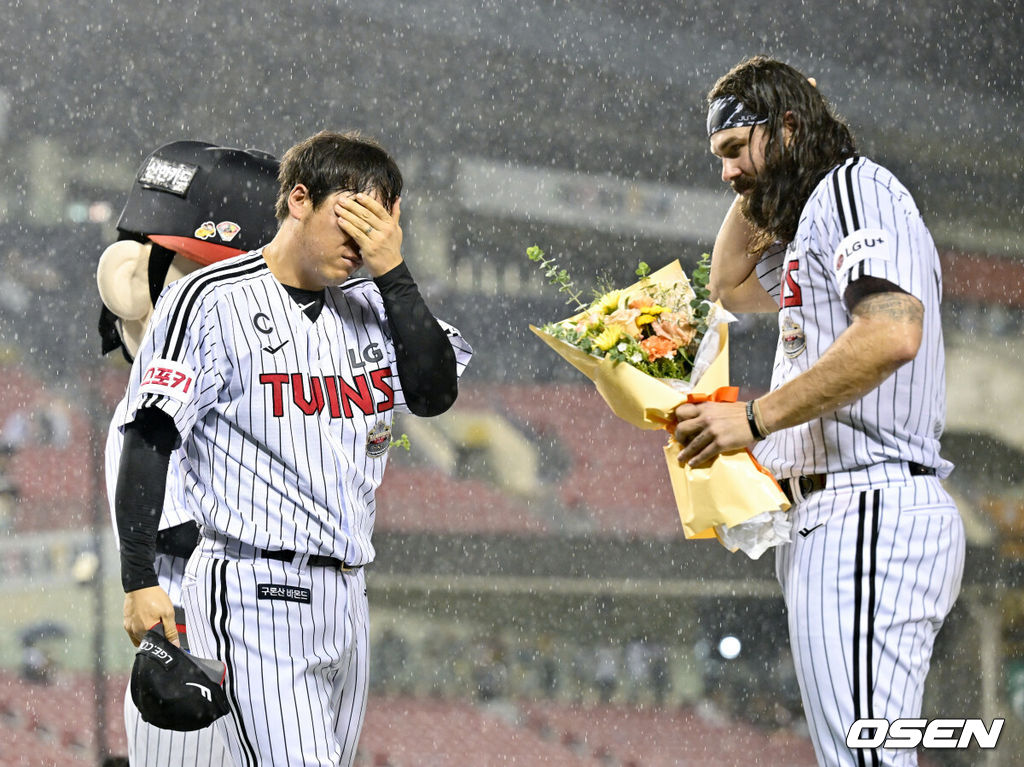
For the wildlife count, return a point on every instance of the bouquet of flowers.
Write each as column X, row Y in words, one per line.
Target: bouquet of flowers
column 650, row 347
column 657, row 327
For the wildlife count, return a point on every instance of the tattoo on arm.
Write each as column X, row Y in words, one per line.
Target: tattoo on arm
column 900, row 307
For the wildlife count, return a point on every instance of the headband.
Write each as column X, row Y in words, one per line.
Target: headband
column 730, row 112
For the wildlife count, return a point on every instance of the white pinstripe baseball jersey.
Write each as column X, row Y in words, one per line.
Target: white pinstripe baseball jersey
column 859, row 221
column 287, row 421
column 876, row 557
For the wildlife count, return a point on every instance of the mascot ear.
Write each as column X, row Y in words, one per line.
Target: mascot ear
column 122, row 276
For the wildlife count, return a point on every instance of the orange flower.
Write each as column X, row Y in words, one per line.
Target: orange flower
column 674, row 327
column 640, row 302
column 657, row 347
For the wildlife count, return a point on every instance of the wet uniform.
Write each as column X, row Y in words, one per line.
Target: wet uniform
column 877, row 553
column 285, row 403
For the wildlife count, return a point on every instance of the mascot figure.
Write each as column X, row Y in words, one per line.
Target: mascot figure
column 192, row 204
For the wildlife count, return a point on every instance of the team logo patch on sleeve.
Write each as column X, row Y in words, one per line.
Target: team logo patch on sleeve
column 169, row 379
column 860, row 246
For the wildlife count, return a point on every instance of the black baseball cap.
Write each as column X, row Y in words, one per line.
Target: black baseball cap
column 204, row 201
column 173, row 689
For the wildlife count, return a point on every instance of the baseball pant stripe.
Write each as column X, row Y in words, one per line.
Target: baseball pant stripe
column 352, row 711
column 220, row 590
column 866, row 593
column 873, row 575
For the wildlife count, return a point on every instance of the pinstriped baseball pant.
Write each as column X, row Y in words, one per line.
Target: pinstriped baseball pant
column 297, row 678
column 149, row 746
column 868, row 579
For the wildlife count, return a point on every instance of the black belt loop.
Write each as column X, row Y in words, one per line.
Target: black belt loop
column 313, row 560
column 812, row 483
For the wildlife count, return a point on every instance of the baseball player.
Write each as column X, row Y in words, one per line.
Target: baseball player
column 169, row 228
column 279, row 377
column 834, row 244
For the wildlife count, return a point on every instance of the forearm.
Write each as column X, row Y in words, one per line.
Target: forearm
column 859, row 360
column 426, row 361
column 733, row 279
column 139, row 496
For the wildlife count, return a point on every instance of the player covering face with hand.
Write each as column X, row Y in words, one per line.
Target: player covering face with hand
column 834, row 244
column 279, row 378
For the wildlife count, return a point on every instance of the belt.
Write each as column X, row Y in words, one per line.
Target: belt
column 806, row 484
column 313, row 560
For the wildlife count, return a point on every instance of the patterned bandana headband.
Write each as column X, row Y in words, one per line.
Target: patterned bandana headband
column 730, row 112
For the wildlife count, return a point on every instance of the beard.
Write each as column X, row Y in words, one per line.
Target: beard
column 770, row 203
column 752, row 205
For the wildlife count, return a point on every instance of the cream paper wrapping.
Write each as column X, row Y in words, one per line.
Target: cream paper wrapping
column 733, row 488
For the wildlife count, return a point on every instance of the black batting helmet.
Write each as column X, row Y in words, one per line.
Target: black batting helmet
column 204, row 201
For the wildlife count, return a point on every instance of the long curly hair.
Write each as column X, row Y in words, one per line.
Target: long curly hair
column 819, row 142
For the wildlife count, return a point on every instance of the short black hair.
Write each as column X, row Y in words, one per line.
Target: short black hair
column 330, row 162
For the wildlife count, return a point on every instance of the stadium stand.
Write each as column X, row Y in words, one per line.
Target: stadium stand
column 55, row 724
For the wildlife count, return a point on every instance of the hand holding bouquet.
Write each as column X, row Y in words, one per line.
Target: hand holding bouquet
column 648, row 348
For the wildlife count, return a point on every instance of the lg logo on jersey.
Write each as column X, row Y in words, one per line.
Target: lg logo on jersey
column 371, row 353
column 311, row 394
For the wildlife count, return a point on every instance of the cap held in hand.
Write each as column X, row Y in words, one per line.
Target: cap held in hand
column 174, row 690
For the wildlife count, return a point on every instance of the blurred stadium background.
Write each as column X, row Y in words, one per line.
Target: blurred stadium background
column 533, row 600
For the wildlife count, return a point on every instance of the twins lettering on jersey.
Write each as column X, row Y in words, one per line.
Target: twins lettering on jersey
column 311, row 394
column 791, row 295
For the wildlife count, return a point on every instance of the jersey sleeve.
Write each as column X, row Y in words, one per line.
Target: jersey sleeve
column 769, row 269
column 176, row 369
column 463, row 351
column 881, row 233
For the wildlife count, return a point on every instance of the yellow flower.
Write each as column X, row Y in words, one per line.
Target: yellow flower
column 608, row 337
column 644, row 319
column 655, row 310
column 609, row 302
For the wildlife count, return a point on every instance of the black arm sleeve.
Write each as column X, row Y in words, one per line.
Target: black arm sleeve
column 139, row 497
column 426, row 361
column 860, row 289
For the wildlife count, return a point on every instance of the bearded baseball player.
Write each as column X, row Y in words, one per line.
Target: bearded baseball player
column 834, row 244
column 192, row 203
column 279, row 376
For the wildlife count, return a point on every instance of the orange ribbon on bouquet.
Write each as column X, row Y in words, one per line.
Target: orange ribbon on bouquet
column 721, row 394
column 734, row 487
